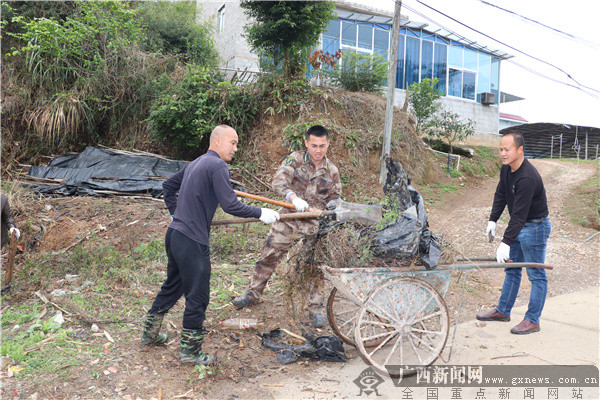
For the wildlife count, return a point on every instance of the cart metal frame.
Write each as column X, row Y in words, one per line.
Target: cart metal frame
column 396, row 316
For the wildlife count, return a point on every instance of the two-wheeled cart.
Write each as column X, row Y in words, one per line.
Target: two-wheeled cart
column 395, row 316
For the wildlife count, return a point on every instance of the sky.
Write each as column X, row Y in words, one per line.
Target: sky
column 546, row 100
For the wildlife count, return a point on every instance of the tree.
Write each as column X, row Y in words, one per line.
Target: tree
column 286, row 29
column 453, row 129
column 424, row 101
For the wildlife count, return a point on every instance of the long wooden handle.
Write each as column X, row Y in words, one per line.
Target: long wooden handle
column 266, row 200
column 12, row 251
column 298, row 215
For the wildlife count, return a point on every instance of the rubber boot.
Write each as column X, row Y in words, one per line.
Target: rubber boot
column 191, row 347
column 152, row 325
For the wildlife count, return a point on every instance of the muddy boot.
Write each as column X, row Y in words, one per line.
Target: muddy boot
column 247, row 299
column 152, row 324
column 191, row 347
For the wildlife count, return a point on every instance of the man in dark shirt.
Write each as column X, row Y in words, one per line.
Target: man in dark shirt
column 522, row 190
column 202, row 185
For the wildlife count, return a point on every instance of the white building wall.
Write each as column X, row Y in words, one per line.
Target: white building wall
column 233, row 49
column 485, row 117
column 506, row 123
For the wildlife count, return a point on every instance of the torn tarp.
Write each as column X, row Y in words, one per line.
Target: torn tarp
column 325, row 348
column 103, row 169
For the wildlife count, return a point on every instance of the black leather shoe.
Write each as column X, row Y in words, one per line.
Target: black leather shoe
column 493, row 315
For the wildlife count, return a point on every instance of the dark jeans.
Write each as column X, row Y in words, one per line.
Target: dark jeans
column 530, row 246
column 188, row 273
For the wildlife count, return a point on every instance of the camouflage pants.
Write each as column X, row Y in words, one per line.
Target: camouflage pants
column 282, row 236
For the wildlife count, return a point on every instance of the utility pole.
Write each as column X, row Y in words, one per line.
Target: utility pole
column 391, row 86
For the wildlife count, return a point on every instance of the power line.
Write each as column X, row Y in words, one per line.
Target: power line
column 570, row 36
column 498, row 41
column 531, row 70
column 595, row 96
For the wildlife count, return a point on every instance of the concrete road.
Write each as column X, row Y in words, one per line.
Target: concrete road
column 569, row 336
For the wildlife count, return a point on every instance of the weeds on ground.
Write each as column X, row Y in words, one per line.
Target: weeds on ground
column 584, row 207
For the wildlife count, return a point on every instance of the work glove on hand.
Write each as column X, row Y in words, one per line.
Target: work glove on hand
column 268, row 216
column 300, row 204
column 332, row 204
column 491, row 231
column 503, row 253
column 15, row 231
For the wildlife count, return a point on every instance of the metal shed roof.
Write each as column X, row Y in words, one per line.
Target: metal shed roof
column 545, row 140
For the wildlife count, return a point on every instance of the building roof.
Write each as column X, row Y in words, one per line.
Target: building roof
column 361, row 12
column 512, row 117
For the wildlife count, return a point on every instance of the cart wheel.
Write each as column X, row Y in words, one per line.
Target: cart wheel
column 342, row 314
column 410, row 318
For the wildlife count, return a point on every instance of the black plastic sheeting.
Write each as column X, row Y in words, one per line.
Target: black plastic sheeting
column 408, row 235
column 103, row 169
column 324, row 348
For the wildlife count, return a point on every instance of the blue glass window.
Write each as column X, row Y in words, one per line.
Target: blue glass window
column 454, row 82
column 495, row 78
column 426, row 59
column 400, row 64
column 331, row 37
column 483, row 73
column 365, row 37
column 348, row 33
column 412, row 60
column 333, row 29
column 381, row 39
column 439, row 66
column 468, row 85
column 455, row 56
column 470, row 59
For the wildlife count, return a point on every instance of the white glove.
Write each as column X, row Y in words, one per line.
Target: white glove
column 503, row 253
column 268, row 216
column 15, row 231
column 491, row 231
column 300, row 204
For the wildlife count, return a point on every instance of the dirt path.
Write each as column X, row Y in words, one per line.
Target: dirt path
column 462, row 218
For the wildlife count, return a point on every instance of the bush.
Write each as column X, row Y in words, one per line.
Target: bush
column 171, row 28
column 186, row 114
column 360, row 72
column 75, row 80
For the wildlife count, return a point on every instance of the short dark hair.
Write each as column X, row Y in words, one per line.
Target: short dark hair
column 517, row 137
column 318, row 131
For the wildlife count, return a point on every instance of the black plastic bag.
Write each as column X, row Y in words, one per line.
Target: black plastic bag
column 325, row 348
column 400, row 239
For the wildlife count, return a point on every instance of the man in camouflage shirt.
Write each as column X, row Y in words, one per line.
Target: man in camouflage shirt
column 308, row 179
